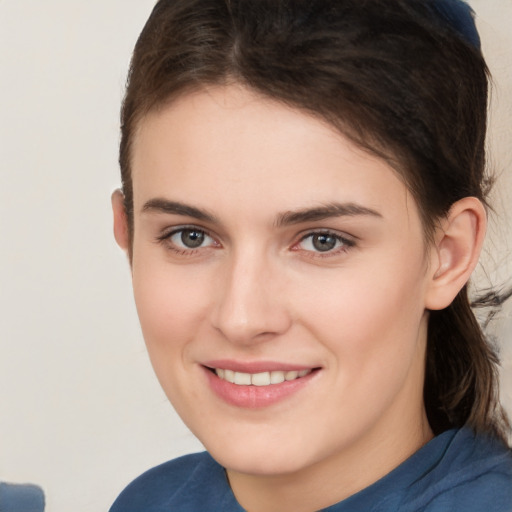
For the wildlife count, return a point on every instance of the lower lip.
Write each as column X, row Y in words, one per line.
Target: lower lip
column 255, row 397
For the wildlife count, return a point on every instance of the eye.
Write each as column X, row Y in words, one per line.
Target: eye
column 187, row 239
column 324, row 242
column 190, row 238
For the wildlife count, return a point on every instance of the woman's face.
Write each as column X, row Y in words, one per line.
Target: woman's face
column 280, row 277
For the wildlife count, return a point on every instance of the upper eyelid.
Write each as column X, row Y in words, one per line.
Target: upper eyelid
column 333, row 232
column 172, row 230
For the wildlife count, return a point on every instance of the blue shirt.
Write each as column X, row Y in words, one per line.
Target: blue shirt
column 456, row 471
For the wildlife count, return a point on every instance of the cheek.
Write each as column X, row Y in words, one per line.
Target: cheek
column 170, row 304
column 369, row 319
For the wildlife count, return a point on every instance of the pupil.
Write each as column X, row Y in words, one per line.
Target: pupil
column 324, row 243
column 192, row 238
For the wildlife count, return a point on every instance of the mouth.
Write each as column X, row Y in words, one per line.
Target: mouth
column 259, row 379
column 257, row 388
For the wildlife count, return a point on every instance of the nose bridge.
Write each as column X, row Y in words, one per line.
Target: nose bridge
column 248, row 308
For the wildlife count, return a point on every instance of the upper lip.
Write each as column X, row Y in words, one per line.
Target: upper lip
column 256, row 366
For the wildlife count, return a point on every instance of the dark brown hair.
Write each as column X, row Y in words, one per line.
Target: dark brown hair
column 392, row 76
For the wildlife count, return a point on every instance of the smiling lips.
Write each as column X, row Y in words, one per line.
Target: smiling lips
column 256, row 389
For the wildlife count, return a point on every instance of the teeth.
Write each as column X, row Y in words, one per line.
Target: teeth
column 229, row 375
column 243, row 379
column 259, row 379
column 276, row 377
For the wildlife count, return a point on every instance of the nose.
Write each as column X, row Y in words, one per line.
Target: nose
column 250, row 304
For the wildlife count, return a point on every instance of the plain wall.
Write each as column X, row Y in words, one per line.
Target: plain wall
column 81, row 413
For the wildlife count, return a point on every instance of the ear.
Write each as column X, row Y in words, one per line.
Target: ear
column 121, row 233
column 454, row 255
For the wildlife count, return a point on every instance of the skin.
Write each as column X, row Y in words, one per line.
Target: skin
column 259, row 290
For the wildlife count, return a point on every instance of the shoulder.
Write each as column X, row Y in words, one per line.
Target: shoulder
column 473, row 475
column 185, row 481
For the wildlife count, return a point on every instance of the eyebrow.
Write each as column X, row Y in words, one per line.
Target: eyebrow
column 325, row 212
column 159, row 205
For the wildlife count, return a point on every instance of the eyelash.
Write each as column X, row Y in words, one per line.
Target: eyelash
column 345, row 243
column 166, row 239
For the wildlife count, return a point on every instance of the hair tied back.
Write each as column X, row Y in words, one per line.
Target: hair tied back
column 459, row 15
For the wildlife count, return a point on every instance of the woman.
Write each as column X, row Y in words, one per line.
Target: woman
column 302, row 207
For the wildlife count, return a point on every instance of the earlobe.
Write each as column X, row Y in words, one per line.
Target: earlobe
column 121, row 233
column 455, row 253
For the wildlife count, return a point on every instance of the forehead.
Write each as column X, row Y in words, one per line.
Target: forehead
column 230, row 147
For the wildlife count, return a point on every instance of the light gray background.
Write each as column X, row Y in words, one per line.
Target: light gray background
column 81, row 413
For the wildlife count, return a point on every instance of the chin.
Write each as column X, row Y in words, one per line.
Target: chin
column 263, row 458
